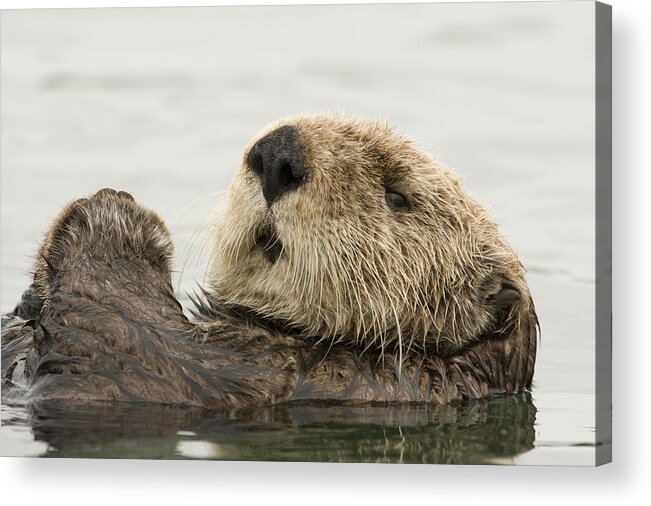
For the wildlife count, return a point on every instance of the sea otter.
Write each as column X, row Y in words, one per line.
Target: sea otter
column 347, row 265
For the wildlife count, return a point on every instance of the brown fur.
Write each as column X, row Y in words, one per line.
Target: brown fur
column 363, row 304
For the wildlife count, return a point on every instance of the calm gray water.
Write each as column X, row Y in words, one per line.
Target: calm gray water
column 160, row 102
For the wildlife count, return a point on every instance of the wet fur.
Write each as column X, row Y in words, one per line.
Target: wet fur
column 363, row 304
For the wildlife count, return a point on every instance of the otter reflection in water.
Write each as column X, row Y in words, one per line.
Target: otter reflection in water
column 347, row 265
column 476, row 432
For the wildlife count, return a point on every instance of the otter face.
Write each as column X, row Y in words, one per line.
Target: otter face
column 344, row 230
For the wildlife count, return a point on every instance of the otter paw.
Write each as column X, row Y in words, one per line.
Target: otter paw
column 30, row 304
column 106, row 226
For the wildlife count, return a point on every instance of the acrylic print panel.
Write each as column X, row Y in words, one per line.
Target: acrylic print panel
column 162, row 103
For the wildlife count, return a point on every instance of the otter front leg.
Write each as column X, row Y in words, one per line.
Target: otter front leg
column 111, row 328
column 103, row 267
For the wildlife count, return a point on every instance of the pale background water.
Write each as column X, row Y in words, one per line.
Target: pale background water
column 161, row 102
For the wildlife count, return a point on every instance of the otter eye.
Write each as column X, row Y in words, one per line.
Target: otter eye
column 396, row 201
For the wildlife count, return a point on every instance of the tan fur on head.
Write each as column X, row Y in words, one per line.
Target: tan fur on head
column 351, row 268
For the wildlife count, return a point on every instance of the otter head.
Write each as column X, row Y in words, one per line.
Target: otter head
column 343, row 229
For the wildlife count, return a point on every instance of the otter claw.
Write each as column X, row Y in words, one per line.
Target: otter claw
column 106, row 191
column 110, row 192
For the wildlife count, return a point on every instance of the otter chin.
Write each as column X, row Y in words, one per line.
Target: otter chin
column 346, row 264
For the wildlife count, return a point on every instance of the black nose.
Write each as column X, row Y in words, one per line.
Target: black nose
column 278, row 159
